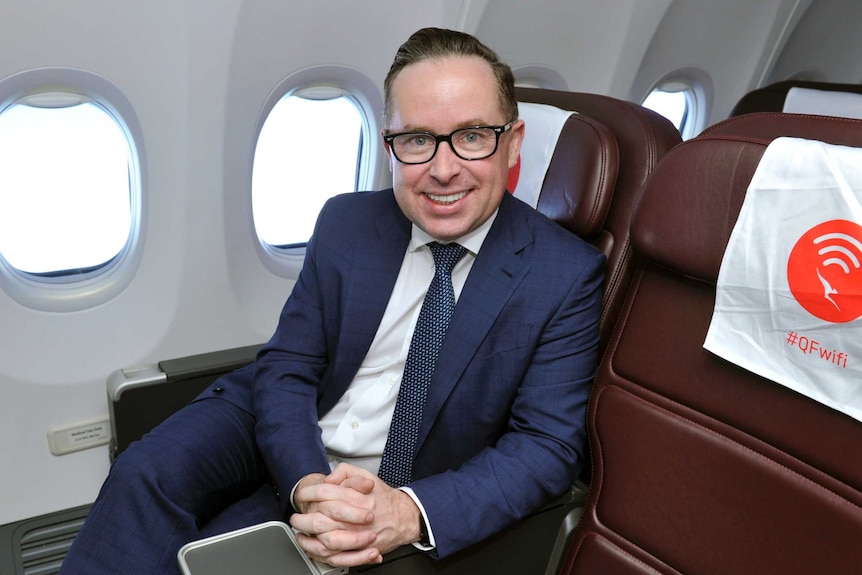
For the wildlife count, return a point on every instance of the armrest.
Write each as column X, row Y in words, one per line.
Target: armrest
column 533, row 545
column 141, row 398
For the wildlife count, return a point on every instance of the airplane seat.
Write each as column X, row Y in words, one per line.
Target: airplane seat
column 803, row 97
column 699, row 465
column 567, row 169
column 642, row 137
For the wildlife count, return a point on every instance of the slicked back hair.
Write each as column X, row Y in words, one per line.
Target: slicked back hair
column 439, row 44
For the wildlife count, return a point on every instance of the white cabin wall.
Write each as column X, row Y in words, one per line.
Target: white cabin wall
column 196, row 74
column 642, row 25
column 815, row 51
column 54, row 365
column 726, row 44
column 589, row 43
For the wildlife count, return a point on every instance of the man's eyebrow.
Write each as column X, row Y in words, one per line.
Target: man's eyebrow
column 422, row 128
column 414, row 128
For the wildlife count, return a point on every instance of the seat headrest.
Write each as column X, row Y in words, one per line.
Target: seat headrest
column 771, row 98
column 690, row 203
column 823, row 102
column 567, row 169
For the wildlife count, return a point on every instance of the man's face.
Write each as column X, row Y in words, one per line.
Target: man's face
column 449, row 197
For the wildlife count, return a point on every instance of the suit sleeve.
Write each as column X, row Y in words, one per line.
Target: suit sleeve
column 289, row 371
column 541, row 452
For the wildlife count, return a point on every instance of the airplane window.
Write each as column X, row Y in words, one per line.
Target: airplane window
column 673, row 105
column 308, row 150
column 65, row 197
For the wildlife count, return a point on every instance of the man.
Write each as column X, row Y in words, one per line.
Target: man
column 500, row 430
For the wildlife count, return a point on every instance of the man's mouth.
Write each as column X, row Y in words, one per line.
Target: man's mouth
column 447, row 199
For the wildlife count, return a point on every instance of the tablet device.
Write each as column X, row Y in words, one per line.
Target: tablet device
column 265, row 549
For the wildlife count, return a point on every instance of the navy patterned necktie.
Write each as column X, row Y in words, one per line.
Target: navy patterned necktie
column 397, row 463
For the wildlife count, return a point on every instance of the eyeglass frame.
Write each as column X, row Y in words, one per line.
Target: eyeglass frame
column 498, row 131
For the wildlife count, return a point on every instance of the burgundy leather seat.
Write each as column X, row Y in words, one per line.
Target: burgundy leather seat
column 701, row 467
column 642, row 138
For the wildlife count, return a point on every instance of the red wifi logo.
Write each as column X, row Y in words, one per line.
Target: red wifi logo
column 824, row 271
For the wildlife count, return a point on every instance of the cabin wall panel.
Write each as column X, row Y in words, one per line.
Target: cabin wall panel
column 730, row 41
column 197, row 74
column 54, row 364
column 817, row 50
column 558, row 35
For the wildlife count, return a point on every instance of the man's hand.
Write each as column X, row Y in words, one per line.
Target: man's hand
column 351, row 517
column 334, row 521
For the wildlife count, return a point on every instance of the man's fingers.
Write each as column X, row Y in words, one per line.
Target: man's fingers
column 330, row 515
column 343, row 512
column 368, row 556
column 347, row 540
column 346, row 471
column 323, row 492
column 348, row 544
column 314, row 523
column 363, row 485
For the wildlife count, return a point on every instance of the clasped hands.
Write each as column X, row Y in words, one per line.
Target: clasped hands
column 351, row 517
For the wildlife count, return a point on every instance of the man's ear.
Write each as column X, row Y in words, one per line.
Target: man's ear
column 515, row 141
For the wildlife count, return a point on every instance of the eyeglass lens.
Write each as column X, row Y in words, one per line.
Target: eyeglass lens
column 468, row 143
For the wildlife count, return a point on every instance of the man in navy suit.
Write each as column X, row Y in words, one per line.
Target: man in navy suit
column 502, row 429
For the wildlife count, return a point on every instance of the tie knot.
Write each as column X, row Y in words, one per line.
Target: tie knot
column 446, row 256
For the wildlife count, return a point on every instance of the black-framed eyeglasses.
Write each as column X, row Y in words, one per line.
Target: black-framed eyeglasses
column 473, row 143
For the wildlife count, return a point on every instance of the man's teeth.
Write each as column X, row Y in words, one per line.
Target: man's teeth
column 447, row 199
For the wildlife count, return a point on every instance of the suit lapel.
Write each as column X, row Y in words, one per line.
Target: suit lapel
column 375, row 264
column 496, row 273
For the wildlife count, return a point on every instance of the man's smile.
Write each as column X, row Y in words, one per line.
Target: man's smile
column 446, row 199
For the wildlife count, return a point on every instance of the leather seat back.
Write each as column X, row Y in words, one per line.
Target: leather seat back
column 700, row 466
column 642, row 138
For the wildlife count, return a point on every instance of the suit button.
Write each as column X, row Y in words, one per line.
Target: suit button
column 218, row 390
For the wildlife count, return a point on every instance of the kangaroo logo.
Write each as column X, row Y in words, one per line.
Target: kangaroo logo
column 824, row 271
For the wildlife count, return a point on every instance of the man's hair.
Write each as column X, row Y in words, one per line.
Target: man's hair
column 438, row 44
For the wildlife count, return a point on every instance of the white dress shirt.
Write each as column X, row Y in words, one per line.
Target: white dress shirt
column 356, row 428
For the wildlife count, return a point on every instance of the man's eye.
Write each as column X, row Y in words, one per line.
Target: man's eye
column 475, row 139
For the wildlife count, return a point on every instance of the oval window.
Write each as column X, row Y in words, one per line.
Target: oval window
column 308, row 150
column 65, row 195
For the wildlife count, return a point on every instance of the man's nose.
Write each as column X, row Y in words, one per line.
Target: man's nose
column 445, row 164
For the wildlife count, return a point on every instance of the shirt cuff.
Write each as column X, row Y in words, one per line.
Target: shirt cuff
column 292, row 502
column 418, row 545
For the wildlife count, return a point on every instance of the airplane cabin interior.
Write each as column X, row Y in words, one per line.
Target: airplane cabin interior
column 724, row 419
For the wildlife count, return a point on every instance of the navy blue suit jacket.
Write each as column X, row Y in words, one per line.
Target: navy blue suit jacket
column 502, row 432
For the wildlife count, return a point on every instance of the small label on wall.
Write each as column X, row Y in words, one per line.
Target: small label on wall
column 77, row 437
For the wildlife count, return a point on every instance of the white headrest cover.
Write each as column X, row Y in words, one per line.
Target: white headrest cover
column 789, row 294
column 823, row 103
column 543, row 124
